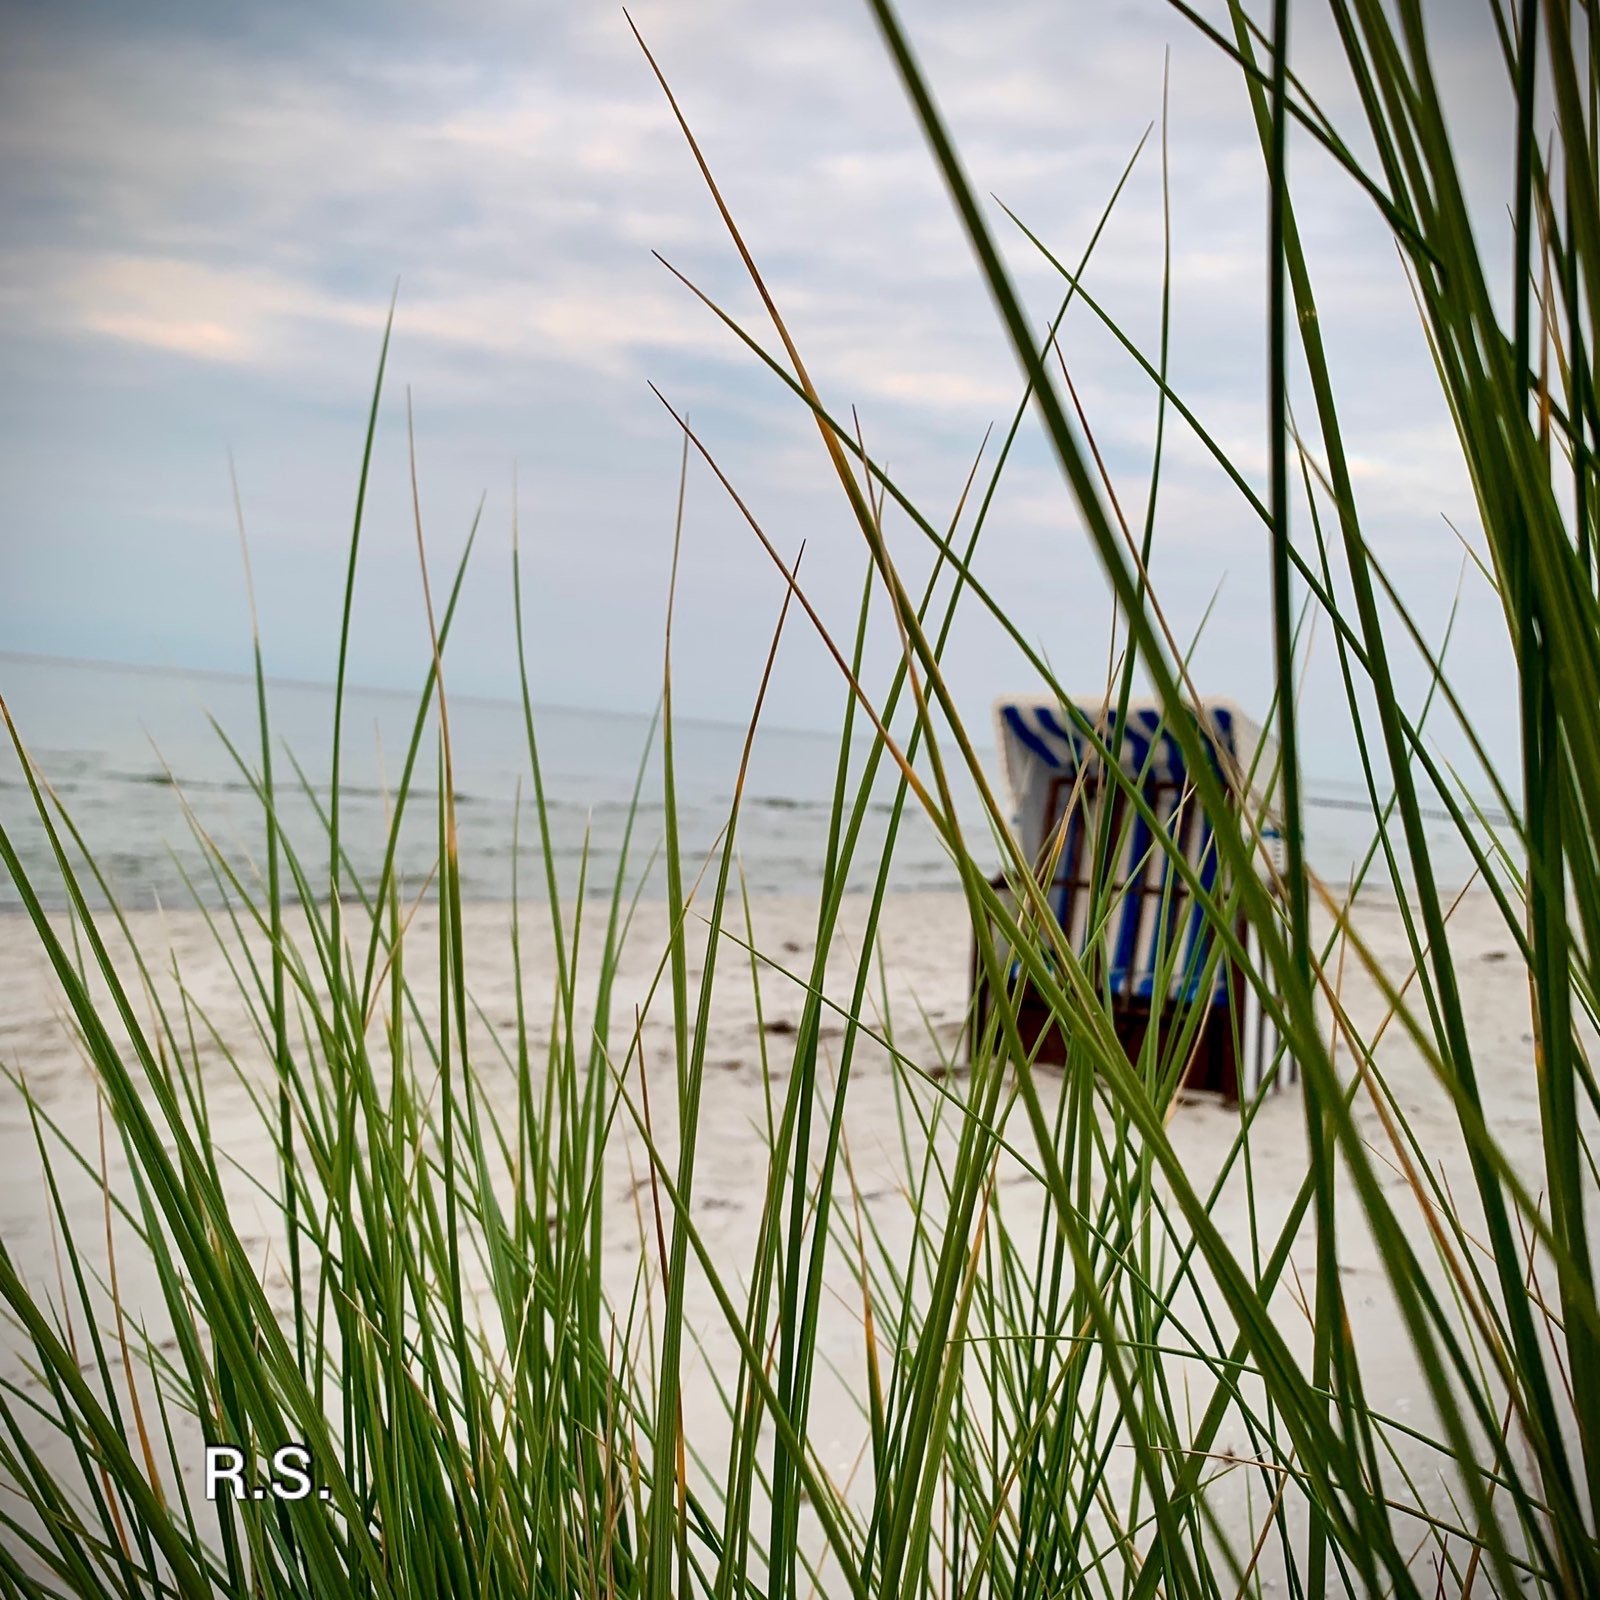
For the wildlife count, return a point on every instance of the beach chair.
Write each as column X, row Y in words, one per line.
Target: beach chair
column 1150, row 943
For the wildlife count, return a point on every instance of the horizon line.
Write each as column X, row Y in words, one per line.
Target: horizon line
column 276, row 680
column 285, row 681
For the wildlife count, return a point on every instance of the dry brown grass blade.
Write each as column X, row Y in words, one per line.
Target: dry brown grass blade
column 868, row 1327
column 72, row 1347
column 835, row 451
column 1436, row 1227
column 451, row 849
column 1179, row 657
column 1475, row 1560
column 860, row 507
column 145, row 1448
column 395, row 944
column 661, row 1249
column 1261, row 1538
column 861, row 696
column 1037, row 902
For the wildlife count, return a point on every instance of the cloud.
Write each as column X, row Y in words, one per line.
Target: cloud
column 176, row 305
column 207, row 213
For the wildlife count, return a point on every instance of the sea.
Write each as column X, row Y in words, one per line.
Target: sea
column 139, row 759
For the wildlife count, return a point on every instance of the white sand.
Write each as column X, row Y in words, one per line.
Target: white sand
column 925, row 946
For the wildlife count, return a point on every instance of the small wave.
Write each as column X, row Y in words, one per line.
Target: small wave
column 171, row 780
column 785, row 802
column 1493, row 815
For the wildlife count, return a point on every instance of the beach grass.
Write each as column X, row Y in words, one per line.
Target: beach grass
column 1097, row 1390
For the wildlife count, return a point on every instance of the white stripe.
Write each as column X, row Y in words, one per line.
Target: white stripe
column 1167, row 887
column 1130, row 902
column 1077, row 922
column 1253, row 1066
column 1069, row 749
column 1144, row 948
column 1195, row 837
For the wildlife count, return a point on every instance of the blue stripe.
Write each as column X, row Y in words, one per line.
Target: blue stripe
column 1199, row 941
column 1047, row 720
column 1074, row 823
column 1133, row 903
column 1132, row 916
column 1166, row 891
column 1026, row 734
column 1177, row 769
column 1146, row 748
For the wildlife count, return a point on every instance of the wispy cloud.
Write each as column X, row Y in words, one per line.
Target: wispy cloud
column 206, row 217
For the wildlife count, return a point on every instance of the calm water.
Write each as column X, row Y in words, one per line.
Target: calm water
column 125, row 749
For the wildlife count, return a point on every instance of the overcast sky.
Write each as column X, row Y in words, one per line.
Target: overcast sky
column 206, row 208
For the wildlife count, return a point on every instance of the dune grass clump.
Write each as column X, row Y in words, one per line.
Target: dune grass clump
column 1091, row 1390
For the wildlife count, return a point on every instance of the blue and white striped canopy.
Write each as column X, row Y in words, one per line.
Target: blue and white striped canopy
column 1040, row 740
column 1155, row 924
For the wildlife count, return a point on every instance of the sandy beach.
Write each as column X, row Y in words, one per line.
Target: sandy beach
column 924, row 944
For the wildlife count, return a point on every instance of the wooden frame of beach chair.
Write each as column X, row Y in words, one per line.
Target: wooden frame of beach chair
column 1151, row 928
